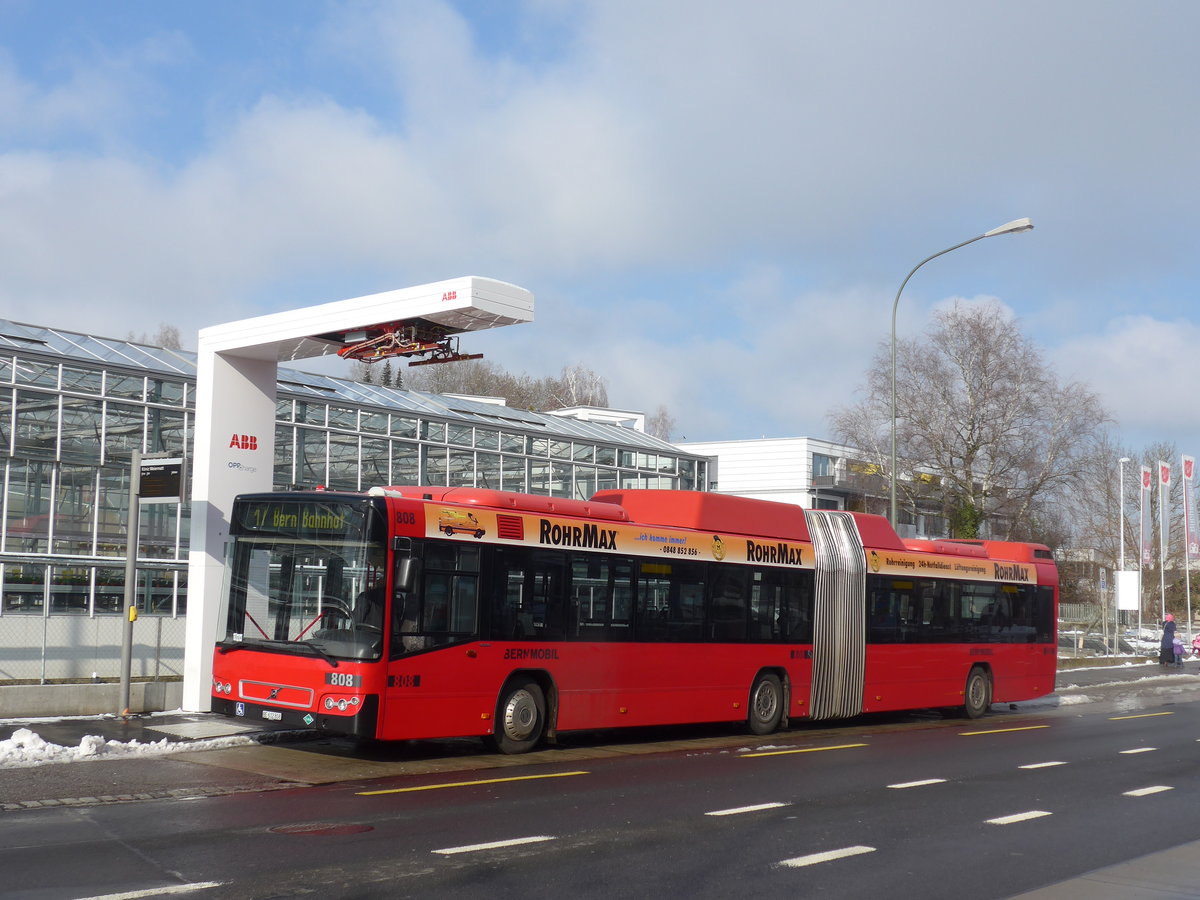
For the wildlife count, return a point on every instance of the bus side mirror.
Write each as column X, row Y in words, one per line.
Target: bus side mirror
column 404, row 573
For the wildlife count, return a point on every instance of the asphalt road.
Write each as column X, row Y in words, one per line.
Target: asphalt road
column 906, row 806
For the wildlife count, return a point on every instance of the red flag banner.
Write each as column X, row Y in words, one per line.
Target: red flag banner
column 1189, row 514
column 1144, row 542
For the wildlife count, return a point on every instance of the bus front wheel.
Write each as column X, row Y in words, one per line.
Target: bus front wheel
column 977, row 696
column 520, row 718
column 766, row 704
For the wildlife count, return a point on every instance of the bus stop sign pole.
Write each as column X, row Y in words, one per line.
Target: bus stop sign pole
column 130, row 607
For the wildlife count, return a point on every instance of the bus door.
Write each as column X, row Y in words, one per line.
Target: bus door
column 839, row 615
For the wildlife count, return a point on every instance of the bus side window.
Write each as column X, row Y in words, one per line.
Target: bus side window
column 729, row 602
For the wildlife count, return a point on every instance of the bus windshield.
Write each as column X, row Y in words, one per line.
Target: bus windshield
column 306, row 576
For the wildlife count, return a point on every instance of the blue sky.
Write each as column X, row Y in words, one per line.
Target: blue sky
column 713, row 203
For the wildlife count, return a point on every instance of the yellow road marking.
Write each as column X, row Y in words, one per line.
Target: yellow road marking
column 1139, row 716
column 454, row 784
column 1002, row 730
column 800, row 750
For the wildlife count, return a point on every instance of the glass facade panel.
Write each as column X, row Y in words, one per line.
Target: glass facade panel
column 311, row 456
column 462, row 468
column 402, row 426
column 36, row 431
column 310, row 413
column 375, row 470
column 74, row 511
column 159, row 528
column 27, row 523
column 433, row 431
column 112, row 502
column 155, row 592
column 341, row 417
column 343, row 462
column 82, row 381
column 433, row 468
column 487, row 470
column 406, row 463
column 513, row 473
column 69, row 590
column 585, row 482
column 168, row 393
column 285, row 456
column 283, row 410
column 606, row 479
column 560, row 449
column 6, row 369
column 463, row 435
column 606, row 456
column 165, row 431
column 82, row 422
column 131, row 387
column 124, row 429
column 24, row 589
column 539, row 477
column 560, row 480
column 486, row 439
column 32, row 371
column 374, row 422
column 6, row 420
column 584, row 453
column 109, row 598
column 512, row 443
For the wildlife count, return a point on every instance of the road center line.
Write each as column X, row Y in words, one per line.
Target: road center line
column 1045, row 765
column 494, row 845
column 1139, row 716
column 1019, row 817
column 800, row 750
column 744, row 809
column 828, row 856
column 454, row 784
column 159, row 891
column 912, row 784
column 1002, row 730
column 1146, row 791
column 1139, row 750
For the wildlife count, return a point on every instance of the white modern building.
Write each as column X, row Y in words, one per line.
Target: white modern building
column 809, row 472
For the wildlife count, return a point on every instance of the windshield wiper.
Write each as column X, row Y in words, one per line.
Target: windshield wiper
column 278, row 645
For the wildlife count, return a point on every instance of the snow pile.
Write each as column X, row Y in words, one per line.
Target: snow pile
column 27, row 748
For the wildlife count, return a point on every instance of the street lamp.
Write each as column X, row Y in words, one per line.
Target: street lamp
column 1121, row 530
column 1013, row 227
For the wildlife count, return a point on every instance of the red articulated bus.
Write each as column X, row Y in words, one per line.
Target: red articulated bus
column 434, row 612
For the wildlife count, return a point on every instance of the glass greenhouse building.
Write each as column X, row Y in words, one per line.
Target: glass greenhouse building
column 74, row 406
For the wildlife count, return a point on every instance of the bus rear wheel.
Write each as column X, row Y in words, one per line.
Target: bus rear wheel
column 766, row 704
column 977, row 696
column 520, row 718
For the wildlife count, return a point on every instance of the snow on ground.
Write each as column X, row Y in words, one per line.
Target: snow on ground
column 27, row 748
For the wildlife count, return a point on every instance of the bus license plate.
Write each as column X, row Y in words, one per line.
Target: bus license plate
column 273, row 715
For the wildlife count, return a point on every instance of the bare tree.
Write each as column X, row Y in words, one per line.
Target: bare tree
column 661, row 424
column 982, row 422
column 167, row 336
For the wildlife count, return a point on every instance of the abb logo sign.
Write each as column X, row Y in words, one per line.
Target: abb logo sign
column 244, row 441
column 449, row 295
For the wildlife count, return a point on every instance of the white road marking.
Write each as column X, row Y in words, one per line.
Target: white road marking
column 494, row 845
column 744, row 809
column 159, row 891
column 828, row 856
column 908, row 784
column 1019, row 817
column 1044, row 765
column 1142, row 792
column 1139, row 750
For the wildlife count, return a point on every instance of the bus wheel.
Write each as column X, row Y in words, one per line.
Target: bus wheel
column 766, row 704
column 520, row 719
column 977, row 696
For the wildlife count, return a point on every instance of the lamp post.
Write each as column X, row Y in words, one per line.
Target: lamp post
column 1121, row 560
column 1013, row 227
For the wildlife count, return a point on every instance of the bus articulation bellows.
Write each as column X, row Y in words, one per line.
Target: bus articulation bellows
column 435, row 612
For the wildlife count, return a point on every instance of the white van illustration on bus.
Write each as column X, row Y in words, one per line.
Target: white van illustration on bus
column 452, row 521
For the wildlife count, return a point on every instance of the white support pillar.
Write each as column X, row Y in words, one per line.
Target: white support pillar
column 234, row 448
